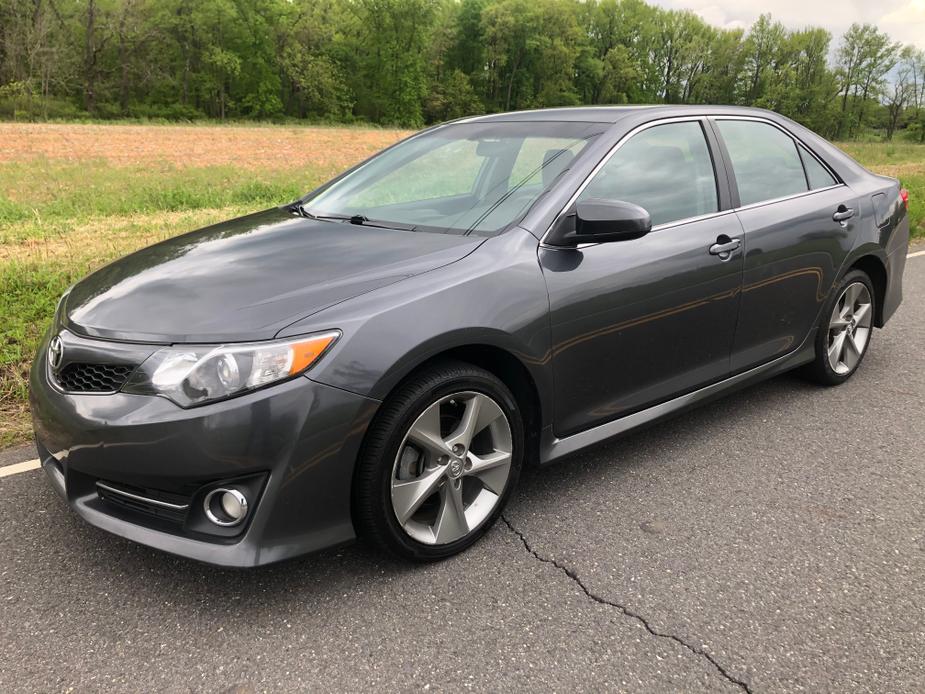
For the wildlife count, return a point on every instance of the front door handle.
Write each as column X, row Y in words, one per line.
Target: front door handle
column 724, row 247
column 843, row 214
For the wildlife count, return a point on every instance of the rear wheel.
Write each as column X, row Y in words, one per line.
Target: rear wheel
column 845, row 331
column 439, row 462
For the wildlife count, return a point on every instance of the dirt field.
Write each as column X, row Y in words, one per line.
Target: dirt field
column 252, row 147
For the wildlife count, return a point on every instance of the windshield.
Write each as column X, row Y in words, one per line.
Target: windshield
column 465, row 178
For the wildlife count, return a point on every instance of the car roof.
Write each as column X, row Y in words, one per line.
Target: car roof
column 847, row 168
column 612, row 114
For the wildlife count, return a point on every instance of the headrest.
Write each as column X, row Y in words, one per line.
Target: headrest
column 555, row 161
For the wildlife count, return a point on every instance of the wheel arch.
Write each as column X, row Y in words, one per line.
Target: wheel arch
column 873, row 266
column 507, row 367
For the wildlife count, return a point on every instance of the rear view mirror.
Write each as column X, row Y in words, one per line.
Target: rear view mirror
column 491, row 148
column 600, row 221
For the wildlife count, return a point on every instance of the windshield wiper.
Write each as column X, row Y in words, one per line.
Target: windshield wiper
column 302, row 210
column 365, row 221
column 358, row 219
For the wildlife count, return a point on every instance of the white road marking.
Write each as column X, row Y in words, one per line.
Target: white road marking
column 35, row 464
column 16, row 468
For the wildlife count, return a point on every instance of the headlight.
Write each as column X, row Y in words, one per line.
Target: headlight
column 193, row 375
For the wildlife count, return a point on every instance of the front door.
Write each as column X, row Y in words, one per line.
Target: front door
column 638, row 322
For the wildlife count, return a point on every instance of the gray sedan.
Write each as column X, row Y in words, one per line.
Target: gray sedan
column 381, row 357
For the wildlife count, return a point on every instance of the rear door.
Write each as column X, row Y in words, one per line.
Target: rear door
column 799, row 224
column 638, row 322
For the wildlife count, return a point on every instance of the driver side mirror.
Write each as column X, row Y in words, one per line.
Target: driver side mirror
column 600, row 221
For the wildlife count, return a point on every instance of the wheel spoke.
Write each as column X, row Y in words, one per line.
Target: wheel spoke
column 861, row 313
column 426, row 432
column 492, row 470
column 851, row 296
column 468, row 425
column 451, row 521
column 852, row 353
column 839, row 323
column 836, row 348
column 481, row 411
column 846, row 311
column 407, row 497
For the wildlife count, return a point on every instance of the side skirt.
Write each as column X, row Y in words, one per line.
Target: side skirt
column 552, row 448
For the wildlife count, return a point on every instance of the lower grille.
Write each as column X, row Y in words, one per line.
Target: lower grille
column 140, row 501
column 94, row 378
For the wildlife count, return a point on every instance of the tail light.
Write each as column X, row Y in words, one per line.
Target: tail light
column 904, row 196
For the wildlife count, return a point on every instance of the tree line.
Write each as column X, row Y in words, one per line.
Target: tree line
column 412, row 62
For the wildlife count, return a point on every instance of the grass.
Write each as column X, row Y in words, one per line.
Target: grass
column 61, row 219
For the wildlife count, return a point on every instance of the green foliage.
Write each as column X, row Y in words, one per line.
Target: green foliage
column 411, row 62
column 865, row 57
column 453, row 97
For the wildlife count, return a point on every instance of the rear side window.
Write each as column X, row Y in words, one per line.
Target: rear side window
column 764, row 159
column 665, row 169
column 817, row 175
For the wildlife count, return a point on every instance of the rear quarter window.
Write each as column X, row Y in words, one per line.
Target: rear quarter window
column 816, row 174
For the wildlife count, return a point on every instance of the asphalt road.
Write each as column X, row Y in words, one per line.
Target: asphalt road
column 772, row 541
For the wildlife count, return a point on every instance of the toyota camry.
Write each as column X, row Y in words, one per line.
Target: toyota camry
column 381, row 357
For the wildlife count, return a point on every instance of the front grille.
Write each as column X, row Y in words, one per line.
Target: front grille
column 94, row 378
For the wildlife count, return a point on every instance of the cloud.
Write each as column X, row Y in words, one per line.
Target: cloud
column 903, row 20
column 906, row 23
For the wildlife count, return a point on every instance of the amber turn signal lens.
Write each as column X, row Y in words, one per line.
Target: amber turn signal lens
column 304, row 354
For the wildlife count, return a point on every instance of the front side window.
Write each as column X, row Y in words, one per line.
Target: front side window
column 665, row 169
column 764, row 159
column 462, row 178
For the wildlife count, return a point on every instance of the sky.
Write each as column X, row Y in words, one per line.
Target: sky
column 903, row 20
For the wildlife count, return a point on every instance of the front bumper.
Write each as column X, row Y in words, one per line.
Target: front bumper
column 296, row 442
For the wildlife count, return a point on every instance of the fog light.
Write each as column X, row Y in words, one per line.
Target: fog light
column 225, row 507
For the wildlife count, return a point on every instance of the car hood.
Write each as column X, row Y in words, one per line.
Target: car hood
column 248, row 278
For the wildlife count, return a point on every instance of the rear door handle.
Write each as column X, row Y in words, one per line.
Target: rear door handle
column 843, row 214
column 724, row 247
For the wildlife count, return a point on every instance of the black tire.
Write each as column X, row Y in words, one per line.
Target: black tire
column 820, row 370
column 374, row 518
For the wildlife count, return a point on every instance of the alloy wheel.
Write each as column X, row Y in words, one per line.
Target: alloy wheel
column 451, row 468
column 849, row 328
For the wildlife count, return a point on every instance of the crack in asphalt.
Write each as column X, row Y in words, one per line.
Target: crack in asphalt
column 626, row 611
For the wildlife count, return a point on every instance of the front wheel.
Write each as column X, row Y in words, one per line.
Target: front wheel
column 845, row 331
column 439, row 462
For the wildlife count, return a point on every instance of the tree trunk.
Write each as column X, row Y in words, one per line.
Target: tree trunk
column 123, row 64
column 90, row 59
column 510, row 84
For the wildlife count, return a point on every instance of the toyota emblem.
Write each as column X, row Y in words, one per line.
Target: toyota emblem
column 55, row 353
